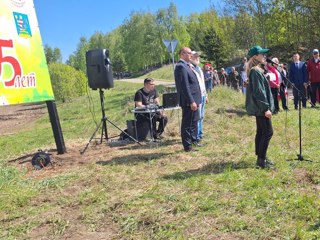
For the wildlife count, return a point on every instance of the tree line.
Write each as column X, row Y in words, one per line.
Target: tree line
column 223, row 36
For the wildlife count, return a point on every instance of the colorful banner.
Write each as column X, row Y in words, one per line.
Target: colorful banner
column 24, row 75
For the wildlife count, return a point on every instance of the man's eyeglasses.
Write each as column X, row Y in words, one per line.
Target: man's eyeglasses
column 315, row 53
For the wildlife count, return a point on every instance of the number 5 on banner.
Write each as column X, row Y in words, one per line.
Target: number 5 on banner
column 9, row 60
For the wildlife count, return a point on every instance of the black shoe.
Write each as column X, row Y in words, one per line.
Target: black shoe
column 269, row 166
column 157, row 136
column 296, row 107
column 263, row 164
column 197, row 144
column 191, row 150
column 268, row 161
column 266, row 166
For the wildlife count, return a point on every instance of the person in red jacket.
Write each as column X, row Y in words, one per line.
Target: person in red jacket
column 313, row 68
column 274, row 83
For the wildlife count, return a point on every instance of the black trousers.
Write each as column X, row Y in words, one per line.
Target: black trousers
column 263, row 136
column 282, row 92
column 157, row 119
column 299, row 89
column 162, row 122
column 189, row 127
column 275, row 92
column 314, row 88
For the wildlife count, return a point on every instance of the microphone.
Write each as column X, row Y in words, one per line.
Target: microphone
column 272, row 62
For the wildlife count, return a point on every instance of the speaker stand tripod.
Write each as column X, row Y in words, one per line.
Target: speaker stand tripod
column 103, row 124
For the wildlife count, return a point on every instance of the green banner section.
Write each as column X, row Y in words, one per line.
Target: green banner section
column 24, row 75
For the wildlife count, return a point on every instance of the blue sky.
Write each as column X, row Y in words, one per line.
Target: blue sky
column 63, row 22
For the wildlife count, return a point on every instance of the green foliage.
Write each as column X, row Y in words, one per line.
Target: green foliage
column 114, row 42
column 211, row 35
column 245, row 30
column 52, row 55
column 67, row 82
column 141, row 44
column 213, row 47
column 78, row 59
column 97, row 40
column 171, row 26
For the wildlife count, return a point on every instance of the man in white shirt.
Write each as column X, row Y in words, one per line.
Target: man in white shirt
column 195, row 60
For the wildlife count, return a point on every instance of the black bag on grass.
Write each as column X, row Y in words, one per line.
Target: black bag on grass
column 40, row 160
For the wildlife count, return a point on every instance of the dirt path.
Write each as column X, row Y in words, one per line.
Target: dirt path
column 14, row 118
column 140, row 80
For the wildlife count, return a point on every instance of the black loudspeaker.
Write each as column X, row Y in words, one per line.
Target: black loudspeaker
column 131, row 128
column 139, row 130
column 143, row 129
column 170, row 100
column 99, row 70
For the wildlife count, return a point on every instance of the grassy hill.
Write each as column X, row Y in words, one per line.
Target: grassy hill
column 164, row 73
column 157, row 191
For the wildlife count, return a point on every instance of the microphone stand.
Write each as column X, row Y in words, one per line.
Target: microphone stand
column 300, row 96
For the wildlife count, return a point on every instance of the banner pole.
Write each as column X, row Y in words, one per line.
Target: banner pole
column 56, row 128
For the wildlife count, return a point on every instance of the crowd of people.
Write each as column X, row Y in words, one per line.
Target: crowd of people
column 303, row 77
column 236, row 79
column 267, row 80
column 263, row 80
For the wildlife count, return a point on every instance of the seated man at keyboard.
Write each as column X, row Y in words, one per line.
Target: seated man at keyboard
column 148, row 97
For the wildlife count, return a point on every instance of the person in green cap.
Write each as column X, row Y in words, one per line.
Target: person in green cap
column 259, row 103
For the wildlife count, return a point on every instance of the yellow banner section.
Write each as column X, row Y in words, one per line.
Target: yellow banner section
column 24, row 75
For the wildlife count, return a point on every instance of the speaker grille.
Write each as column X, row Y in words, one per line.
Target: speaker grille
column 170, row 100
column 99, row 70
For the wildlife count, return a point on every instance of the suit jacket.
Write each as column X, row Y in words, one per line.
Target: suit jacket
column 188, row 89
column 298, row 75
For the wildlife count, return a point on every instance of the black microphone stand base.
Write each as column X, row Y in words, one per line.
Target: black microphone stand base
column 301, row 158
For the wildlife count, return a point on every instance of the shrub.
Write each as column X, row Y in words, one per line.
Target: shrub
column 67, row 82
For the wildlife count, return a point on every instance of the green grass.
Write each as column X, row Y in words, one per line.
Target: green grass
column 162, row 192
column 162, row 74
column 76, row 120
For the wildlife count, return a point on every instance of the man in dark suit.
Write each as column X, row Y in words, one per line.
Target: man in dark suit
column 298, row 77
column 189, row 97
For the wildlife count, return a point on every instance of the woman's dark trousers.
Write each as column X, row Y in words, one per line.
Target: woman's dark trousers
column 263, row 135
